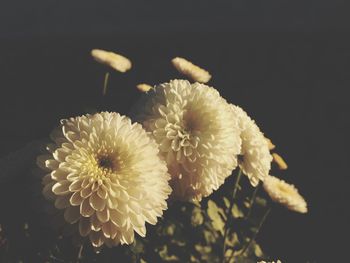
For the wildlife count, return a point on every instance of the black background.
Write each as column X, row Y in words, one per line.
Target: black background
column 285, row 62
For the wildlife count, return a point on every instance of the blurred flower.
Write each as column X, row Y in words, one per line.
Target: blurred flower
column 256, row 157
column 192, row 71
column 285, row 194
column 113, row 60
column 105, row 173
column 282, row 165
column 197, row 133
column 144, row 87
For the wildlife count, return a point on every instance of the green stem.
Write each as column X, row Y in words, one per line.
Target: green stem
column 235, row 189
column 105, row 84
column 252, row 201
column 80, row 253
column 257, row 231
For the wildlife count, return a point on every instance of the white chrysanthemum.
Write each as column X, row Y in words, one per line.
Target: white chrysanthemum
column 192, row 71
column 197, row 133
column 106, row 174
column 256, row 157
column 285, row 194
column 111, row 59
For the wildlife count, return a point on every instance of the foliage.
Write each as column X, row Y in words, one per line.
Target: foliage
column 188, row 232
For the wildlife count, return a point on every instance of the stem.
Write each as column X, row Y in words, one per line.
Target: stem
column 105, row 84
column 235, row 189
column 80, row 253
column 257, row 231
column 252, row 201
column 239, row 175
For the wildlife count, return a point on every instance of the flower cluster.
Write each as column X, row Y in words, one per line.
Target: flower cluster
column 110, row 177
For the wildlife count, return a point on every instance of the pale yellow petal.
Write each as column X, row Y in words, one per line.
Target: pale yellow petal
column 71, row 214
column 282, row 165
column 97, row 202
column 86, row 209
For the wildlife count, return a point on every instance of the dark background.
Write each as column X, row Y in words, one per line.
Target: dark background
column 285, row 62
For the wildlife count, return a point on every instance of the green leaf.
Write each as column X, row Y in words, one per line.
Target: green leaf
column 233, row 240
column 193, row 259
column 258, row 251
column 236, row 212
column 228, row 253
column 214, row 214
column 137, row 247
column 202, row 249
column 197, row 218
column 163, row 253
column 246, row 203
column 206, row 254
column 260, row 201
column 226, row 202
column 209, row 237
column 170, row 230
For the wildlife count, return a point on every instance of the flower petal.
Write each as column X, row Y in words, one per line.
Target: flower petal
column 76, row 199
column 84, row 226
column 97, row 202
column 71, row 214
column 61, row 188
column 85, row 208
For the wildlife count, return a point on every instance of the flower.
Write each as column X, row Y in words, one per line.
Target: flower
column 105, row 173
column 144, row 87
column 111, row 59
column 197, row 133
column 282, row 165
column 285, row 194
column 190, row 70
column 256, row 157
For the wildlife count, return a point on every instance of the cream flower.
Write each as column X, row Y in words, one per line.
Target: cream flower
column 111, row 59
column 256, row 157
column 285, row 194
column 144, row 87
column 197, row 133
column 190, row 70
column 105, row 173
